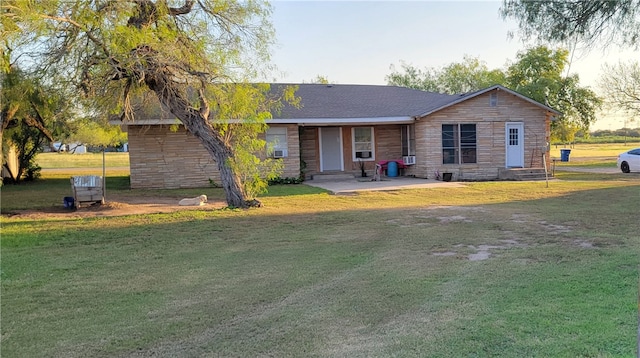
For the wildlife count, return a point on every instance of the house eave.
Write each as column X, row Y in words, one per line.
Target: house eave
column 343, row 121
column 298, row 121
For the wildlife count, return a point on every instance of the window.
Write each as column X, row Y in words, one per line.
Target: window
column 493, row 99
column 513, row 136
column 408, row 136
column 458, row 143
column 363, row 143
column 276, row 138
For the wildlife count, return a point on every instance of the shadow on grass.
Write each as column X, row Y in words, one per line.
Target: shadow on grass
column 242, row 283
column 47, row 194
column 583, row 176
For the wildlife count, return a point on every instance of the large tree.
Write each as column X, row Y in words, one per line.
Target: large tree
column 32, row 114
column 538, row 73
column 620, row 85
column 459, row 77
column 589, row 22
column 182, row 51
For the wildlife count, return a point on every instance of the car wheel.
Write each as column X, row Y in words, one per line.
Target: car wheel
column 624, row 166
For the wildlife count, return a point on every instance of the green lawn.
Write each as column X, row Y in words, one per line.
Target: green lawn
column 592, row 155
column 590, row 151
column 84, row 160
column 379, row 274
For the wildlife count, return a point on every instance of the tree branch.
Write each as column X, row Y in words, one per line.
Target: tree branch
column 184, row 9
column 75, row 24
column 38, row 122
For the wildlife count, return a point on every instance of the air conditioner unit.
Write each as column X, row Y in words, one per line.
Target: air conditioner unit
column 409, row 160
column 279, row 153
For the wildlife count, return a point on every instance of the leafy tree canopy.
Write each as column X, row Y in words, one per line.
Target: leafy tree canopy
column 182, row 51
column 589, row 22
column 319, row 79
column 620, row 84
column 96, row 133
column 33, row 113
column 459, row 77
column 537, row 73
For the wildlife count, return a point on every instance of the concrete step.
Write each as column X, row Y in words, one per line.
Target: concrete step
column 522, row 174
column 333, row 176
column 527, row 177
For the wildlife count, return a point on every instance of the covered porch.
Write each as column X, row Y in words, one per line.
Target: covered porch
column 355, row 150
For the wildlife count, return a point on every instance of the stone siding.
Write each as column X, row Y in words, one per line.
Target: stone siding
column 386, row 141
column 490, row 131
column 162, row 158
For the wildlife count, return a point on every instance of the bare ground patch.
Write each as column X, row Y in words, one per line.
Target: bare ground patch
column 115, row 206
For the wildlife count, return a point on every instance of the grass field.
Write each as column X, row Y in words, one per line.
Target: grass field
column 494, row 269
column 592, row 155
column 84, row 160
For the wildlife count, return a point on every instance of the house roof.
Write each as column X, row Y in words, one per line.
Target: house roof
column 360, row 101
column 465, row 96
column 334, row 104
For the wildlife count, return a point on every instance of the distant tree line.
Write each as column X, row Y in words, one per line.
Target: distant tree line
column 623, row 132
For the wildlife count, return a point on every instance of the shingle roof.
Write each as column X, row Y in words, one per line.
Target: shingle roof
column 361, row 101
column 337, row 104
column 469, row 95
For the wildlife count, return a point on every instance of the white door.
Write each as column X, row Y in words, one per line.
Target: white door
column 331, row 149
column 515, row 145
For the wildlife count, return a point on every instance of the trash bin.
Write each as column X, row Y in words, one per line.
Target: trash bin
column 392, row 169
column 564, row 155
column 69, row 202
column 447, row 176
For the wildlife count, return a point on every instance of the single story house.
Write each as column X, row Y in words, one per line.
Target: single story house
column 339, row 128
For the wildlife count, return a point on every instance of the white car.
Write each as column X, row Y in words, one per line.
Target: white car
column 629, row 161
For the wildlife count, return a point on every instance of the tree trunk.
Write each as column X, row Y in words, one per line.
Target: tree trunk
column 6, row 116
column 197, row 123
column 1, row 153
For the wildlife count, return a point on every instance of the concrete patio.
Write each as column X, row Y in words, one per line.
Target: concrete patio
column 343, row 186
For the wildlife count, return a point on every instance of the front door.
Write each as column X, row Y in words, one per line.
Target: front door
column 515, row 145
column 331, row 149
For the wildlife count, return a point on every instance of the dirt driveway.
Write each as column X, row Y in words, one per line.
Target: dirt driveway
column 115, row 206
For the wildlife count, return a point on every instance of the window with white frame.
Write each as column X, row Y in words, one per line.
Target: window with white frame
column 276, row 138
column 363, row 145
column 408, row 136
column 459, row 143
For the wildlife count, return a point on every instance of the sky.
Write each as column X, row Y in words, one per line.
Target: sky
column 356, row 42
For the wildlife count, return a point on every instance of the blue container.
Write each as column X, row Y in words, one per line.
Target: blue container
column 392, row 169
column 68, row 202
column 564, row 155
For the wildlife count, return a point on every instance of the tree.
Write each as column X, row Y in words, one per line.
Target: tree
column 538, row 74
column 30, row 117
column 320, row 79
column 621, row 87
column 90, row 131
column 564, row 132
column 469, row 75
column 413, row 77
column 589, row 22
column 183, row 53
